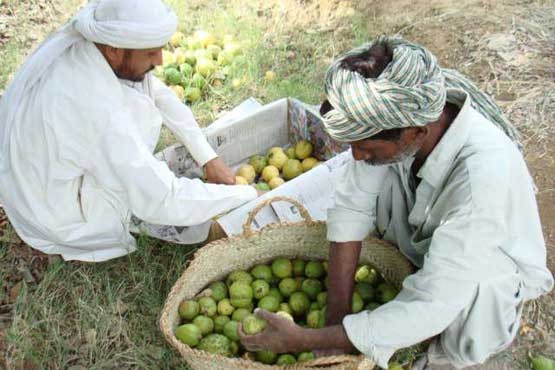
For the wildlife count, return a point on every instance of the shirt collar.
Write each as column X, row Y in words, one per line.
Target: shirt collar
column 442, row 158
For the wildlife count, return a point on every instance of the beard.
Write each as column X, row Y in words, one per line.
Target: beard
column 126, row 74
column 404, row 154
column 126, row 71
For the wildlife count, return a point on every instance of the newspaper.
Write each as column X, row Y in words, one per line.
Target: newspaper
column 236, row 141
column 314, row 190
column 278, row 124
column 251, row 129
column 247, row 107
column 182, row 163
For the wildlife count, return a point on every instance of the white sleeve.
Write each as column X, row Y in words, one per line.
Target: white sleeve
column 153, row 193
column 353, row 215
column 464, row 251
column 180, row 120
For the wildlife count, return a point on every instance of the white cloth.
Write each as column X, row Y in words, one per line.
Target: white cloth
column 80, row 161
column 131, row 24
column 126, row 24
column 173, row 234
column 471, row 226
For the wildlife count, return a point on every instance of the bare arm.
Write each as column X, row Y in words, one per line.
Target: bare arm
column 342, row 265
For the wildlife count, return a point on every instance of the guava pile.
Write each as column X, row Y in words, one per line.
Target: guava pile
column 267, row 172
column 293, row 288
column 191, row 63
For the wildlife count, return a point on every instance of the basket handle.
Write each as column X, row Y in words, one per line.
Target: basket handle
column 247, row 228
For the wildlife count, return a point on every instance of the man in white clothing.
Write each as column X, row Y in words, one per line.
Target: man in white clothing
column 78, row 127
column 437, row 171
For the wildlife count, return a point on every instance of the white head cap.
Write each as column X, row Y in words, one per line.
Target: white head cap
column 126, row 24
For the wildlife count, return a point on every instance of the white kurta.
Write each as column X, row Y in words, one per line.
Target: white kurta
column 473, row 229
column 81, row 161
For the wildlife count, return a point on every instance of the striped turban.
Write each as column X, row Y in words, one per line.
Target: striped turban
column 411, row 91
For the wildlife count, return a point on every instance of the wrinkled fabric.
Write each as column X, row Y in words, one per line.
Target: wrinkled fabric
column 411, row 91
column 128, row 24
column 81, row 161
column 472, row 228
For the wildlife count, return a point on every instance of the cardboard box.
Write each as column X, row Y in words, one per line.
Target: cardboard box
column 280, row 123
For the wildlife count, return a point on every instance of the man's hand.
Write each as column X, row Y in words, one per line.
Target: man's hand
column 280, row 335
column 217, row 172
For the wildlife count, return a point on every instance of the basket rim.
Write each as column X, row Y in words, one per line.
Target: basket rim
column 242, row 236
column 238, row 361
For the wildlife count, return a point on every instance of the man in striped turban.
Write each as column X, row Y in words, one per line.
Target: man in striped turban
column 437, row 171
column 78, row 127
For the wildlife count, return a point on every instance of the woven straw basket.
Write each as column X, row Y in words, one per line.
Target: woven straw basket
column 306, row 239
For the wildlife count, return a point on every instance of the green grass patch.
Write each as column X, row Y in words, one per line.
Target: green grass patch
column 10, row 56
column 100, row 316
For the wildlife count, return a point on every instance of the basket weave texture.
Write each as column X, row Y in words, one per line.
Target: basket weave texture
column 306, row 239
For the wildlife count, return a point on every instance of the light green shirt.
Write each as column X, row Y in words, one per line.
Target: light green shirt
column 471, row 226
